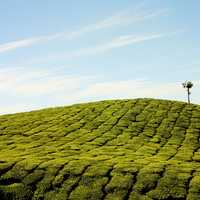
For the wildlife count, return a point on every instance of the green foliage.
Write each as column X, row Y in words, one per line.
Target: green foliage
column 140, row 149
column 16, row 191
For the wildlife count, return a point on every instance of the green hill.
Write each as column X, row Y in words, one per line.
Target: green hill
column 142, row 149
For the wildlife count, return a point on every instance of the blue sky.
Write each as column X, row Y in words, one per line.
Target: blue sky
column 55, row 53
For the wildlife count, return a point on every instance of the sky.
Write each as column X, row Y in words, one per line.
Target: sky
column 55, row 53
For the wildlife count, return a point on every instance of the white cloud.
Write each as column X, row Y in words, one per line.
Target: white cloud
column 122, row 18
column 138, row 88
column 10, row 46
column 131, row 88
column 118, row 42
column 36, row 82
column 25, row 89
column 17, row 44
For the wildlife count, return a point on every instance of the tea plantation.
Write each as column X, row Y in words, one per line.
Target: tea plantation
column 142, row 149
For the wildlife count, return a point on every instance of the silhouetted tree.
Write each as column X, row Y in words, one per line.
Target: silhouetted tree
column 188, row 85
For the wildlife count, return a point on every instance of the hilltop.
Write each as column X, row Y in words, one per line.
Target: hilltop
column 142, row 149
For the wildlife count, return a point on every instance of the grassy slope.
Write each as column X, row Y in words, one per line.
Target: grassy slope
column 124, row 149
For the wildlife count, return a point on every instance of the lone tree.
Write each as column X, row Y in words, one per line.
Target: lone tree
column 188, row 85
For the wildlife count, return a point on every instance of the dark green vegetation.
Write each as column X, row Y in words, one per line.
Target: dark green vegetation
column 139, row 149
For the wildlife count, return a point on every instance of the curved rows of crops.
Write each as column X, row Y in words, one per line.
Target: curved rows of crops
column 141, row 149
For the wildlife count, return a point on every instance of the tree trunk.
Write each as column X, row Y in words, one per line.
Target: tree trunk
column 188, row 91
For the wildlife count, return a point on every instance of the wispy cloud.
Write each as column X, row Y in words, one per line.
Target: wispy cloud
column 117, row 42
column 10, row 46
column 35, row 82
column 17, row 44
column 136, row 88
column 26, row 89
column 122, row 18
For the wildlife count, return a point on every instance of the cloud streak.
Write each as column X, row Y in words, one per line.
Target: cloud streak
column 115, row 43
column 27, row 89
column 122, row 18
column 10, row 46
column 118, row 42
column 17, row 44
column 121, row 41
column 136, row 88
column 35, row 82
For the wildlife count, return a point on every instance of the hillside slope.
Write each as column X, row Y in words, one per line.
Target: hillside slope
column 140, row 149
